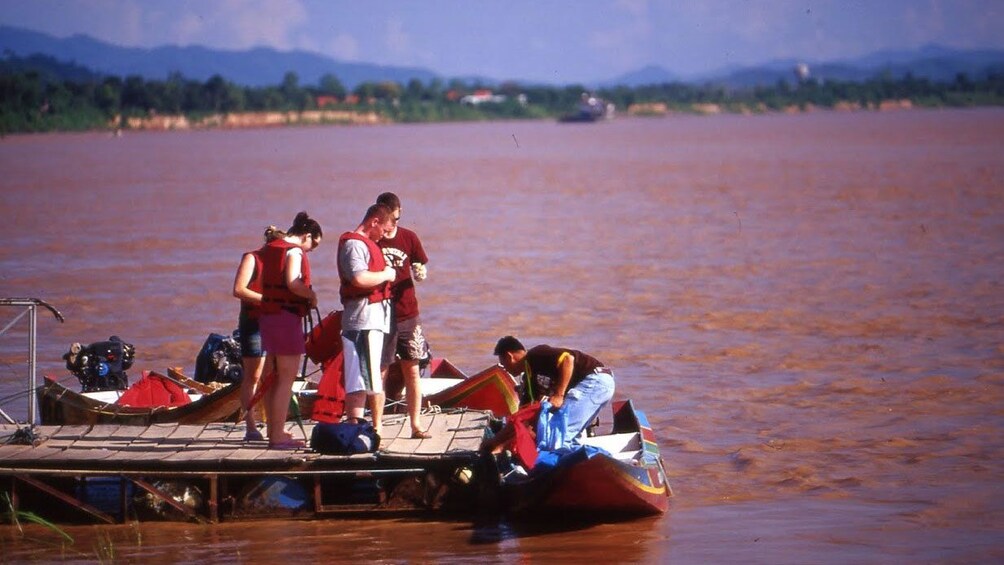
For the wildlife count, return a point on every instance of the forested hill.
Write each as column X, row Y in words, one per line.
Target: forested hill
column 255, row 67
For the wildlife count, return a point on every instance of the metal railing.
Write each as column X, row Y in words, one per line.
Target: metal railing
column 30, row 306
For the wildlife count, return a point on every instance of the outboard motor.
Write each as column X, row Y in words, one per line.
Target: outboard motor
column 101, row 365
column 219, row 360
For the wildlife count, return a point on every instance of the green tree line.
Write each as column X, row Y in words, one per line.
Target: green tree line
column 35, row 96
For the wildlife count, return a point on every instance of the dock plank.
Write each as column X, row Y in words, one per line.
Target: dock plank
column 62, row 436
column 393, row 429
column 249, row 451
column 441, row 438
column 13, row 453
column 151, row 444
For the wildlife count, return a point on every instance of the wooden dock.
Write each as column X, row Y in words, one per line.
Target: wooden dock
column 419, row 473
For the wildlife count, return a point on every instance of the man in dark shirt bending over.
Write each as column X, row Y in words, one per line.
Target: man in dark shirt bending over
column 566, row 377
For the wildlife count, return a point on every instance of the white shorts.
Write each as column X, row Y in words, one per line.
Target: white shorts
column 362, row 350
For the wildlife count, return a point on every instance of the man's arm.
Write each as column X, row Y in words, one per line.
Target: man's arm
column 566, row 363
column 358, row 263
column 370, row 279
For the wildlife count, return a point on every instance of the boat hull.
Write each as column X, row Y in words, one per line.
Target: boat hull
column 597, row 484
column 602, row 484
column 59, row 405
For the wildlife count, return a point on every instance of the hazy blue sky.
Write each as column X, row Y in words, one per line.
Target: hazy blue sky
column 554, row 41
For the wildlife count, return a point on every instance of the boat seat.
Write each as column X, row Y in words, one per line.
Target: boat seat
column 620, row 446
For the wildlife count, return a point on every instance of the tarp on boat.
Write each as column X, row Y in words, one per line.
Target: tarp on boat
column 154, row 390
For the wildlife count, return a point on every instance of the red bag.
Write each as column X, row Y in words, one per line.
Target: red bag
column 325, row 340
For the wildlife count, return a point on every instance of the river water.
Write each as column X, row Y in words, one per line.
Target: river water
column 809, row 308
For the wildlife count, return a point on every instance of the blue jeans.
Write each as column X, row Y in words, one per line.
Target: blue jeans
column 584, row 401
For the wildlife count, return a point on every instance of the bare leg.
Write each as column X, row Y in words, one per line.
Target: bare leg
column 376, row 407
column 278, row 396
column 253, row 367
column 413, row 390
column 355, row 404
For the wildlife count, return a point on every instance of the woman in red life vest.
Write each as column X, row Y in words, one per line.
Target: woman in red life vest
column 286, row 299
column 247, row 287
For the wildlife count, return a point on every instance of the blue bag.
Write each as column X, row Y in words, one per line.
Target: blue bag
column 552, row 427
column 344, row 438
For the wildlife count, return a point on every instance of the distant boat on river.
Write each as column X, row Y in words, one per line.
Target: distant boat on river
column 590, row 109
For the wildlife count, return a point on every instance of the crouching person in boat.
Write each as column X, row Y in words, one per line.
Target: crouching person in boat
column 563, row 380
column 287, row 298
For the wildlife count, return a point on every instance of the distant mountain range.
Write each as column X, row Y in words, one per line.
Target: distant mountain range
column 267, row 67
column 255, row 67
column 933, row 62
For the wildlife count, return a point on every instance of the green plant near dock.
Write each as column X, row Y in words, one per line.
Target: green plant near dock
column 16, row 517
column 104, row 548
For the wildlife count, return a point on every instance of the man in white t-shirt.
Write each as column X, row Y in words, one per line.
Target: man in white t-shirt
column 365, row 294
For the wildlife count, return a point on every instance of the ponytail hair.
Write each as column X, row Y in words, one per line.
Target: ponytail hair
column 273, row 233
column 305, row 225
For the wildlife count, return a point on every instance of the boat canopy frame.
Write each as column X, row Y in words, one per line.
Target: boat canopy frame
column 31, row 306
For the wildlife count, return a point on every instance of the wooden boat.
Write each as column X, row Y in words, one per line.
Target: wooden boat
column 448, row 387
column 627, row 478
column 58, row 405
column 492, row 389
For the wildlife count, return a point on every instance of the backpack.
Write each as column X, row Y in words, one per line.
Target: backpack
column 344, row 438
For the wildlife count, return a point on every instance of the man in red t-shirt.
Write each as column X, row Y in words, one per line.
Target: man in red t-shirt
column 403, row 251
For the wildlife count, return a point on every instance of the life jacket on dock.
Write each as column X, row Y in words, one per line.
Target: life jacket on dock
column 348, row 291
column 329, row 406
column 324, row 347
column 276, row 295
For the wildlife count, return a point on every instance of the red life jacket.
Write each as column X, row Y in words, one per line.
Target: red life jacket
column 349, row 291
column 251, row 310
column 275, row 295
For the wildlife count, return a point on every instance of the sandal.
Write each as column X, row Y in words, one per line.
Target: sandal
column 287, row 445
column 419, row 434
column 253, row 435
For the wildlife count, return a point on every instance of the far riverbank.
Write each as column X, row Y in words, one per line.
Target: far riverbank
column 240, row 120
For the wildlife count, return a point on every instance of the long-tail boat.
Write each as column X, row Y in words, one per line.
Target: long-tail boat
column 617, row 474
column 620, row 473
column 61, row 405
